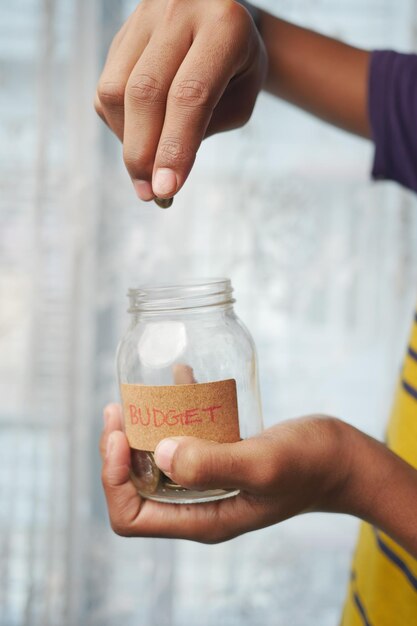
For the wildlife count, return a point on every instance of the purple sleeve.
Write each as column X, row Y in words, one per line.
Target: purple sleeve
column 393, row 116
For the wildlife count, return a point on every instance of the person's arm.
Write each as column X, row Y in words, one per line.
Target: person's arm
column 324, row 76
column 383, row 490
column 372, row 94
column 303, row 465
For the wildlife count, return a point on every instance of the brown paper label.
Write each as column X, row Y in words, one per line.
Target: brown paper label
column 206, row 410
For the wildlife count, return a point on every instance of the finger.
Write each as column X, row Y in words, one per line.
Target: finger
column 99, row 109
column 118, row 38
column 112, row 50
column 145, row 103
column 132, row 516
column 183, row 374
column 113, row 420
column 251, row 464
column 194, row 93
column 211, row 522
column 123, row 54
column 123, row 500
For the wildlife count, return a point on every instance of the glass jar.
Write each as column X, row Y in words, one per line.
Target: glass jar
column 186, row 366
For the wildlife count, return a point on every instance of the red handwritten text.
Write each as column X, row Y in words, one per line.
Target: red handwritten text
column 153, row 416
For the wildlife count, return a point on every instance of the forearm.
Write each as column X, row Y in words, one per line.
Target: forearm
column 381, row 488
column 316, row 73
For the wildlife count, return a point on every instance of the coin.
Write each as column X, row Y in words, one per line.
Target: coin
column 164, row 203
column 145, row 473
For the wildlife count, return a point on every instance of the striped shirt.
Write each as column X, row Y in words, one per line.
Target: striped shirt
column 383, row 584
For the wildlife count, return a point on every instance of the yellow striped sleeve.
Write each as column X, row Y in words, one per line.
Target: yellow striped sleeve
column 383, row 586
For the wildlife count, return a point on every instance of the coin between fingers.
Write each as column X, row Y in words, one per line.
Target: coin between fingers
column 164, row 203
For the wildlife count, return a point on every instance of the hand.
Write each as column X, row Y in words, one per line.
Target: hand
column 294, row 467
column 176, row 72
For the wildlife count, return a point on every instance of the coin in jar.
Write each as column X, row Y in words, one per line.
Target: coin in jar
column 145, row 473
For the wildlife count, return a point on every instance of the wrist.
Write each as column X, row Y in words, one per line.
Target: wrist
column 336, row 465
column 383, row 490
column 372, row 478
column 357, row 463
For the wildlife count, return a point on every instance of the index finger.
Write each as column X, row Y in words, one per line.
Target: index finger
column 145, row 101
column 195, row 91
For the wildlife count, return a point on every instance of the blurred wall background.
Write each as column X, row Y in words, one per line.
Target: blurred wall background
column 324, row 263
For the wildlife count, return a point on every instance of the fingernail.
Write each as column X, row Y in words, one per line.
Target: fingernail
column 164, row 452
column 143, row 190
column 109, row 446
column 164, row 182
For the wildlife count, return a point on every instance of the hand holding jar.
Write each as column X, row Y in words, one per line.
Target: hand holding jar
column 294, row 467
column 314, row 463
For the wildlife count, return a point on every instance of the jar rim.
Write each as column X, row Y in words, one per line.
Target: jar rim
column 184, row 294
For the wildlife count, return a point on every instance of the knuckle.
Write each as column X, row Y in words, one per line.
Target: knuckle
column 144, row 89
column 111, row 93
column 191, row 93
column 230, row 12
column 98, row 106
column 171, row 9
column 233, row 18
column 173, row 152
column 102, row 447
column 223, row 7
column 232, row 464
column 104, row 476
column 245, row 114
column 119, row 528
column 237, row 12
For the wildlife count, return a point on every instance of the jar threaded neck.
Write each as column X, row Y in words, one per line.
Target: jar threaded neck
column 187, row 295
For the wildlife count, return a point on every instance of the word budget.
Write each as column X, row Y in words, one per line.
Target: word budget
column 156, row 417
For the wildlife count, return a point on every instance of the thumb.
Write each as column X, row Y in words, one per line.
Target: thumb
column 201, row 464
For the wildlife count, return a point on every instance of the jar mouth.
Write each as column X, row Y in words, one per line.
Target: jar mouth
column 189, row 294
